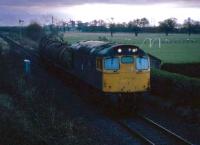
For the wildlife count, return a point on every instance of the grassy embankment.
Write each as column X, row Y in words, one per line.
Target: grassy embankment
column 30, row 109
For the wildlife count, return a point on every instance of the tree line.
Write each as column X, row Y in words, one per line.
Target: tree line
column 135, row 26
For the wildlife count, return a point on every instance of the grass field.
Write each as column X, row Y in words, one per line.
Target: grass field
column 175, row 48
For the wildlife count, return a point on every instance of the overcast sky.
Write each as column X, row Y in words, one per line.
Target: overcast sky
column 121, row 10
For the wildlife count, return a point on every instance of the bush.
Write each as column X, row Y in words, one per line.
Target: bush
column 4, row 47
column 180, row 88
column 189, row 69
column 34, row 31
column 103, row 38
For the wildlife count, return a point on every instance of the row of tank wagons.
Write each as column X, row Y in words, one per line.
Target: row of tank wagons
column 54, row 49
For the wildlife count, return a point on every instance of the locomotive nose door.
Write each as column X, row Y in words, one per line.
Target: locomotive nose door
column 127, row 63
column 126, row 74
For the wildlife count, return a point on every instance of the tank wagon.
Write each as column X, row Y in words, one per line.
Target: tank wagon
column 108, row 67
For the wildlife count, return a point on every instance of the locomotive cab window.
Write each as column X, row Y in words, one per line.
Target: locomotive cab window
column 142, row 63
column 127, row 59
column 111, row 63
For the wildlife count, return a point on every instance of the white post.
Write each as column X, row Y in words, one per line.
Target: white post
column 150, row 43
column 159, row 42
column 27, row 66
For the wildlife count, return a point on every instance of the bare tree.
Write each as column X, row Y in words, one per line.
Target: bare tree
column 144, row 22
column 189, row 24
column 34, row 31
column 111, row 26
column 134, row 26
column 168, row 25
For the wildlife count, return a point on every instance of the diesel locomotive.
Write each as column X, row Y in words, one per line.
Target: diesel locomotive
column 109, row 67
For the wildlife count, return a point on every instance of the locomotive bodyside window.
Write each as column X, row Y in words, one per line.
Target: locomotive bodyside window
column 142, row 63
column 111, row 63
column 99, row 64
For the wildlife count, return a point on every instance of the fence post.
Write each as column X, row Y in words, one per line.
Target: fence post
column 159, row 43
column 150, row 42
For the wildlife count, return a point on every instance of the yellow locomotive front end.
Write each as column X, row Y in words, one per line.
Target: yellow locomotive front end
column 126, row 73
column 132, row 74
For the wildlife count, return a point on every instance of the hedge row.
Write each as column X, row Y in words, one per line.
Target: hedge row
column 188, row 69
column 180, row 88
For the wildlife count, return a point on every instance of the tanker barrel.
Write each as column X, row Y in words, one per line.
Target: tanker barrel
column 53, row 49
column 48, row 39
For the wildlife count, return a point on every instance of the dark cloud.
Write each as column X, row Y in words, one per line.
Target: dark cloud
column 10, row 16
column 192, row 3
column 13, row 10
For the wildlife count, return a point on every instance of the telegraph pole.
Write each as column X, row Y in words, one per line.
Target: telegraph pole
column 52, row 24
column 20, row 25
column 52, row 20
column 111, row 26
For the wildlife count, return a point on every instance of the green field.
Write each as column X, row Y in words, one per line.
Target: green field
column 175, row 48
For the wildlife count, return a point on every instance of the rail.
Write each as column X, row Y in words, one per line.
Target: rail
column 165, row 130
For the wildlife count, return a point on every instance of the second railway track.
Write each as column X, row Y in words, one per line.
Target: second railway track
column 28, row 53
column 149, row 132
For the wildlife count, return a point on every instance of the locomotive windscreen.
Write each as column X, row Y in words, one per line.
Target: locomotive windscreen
column 111, row 63
column 142, row 63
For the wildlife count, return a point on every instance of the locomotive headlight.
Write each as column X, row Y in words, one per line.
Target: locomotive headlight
column 134, row 50
column 119, row 50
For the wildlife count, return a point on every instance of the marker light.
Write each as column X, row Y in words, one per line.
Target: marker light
column 134, row 50
column 129, row 49
column 119, row 50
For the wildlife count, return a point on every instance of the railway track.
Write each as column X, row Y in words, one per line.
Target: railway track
column 150, row 132
column 19, row 48
column 25, row 53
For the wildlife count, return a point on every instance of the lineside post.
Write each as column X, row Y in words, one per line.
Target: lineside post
column 150, row 42
column 159, row 43
column 27, row 67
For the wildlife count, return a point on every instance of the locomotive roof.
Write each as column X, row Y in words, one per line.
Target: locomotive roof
column 102, row 48
column 90, row 44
